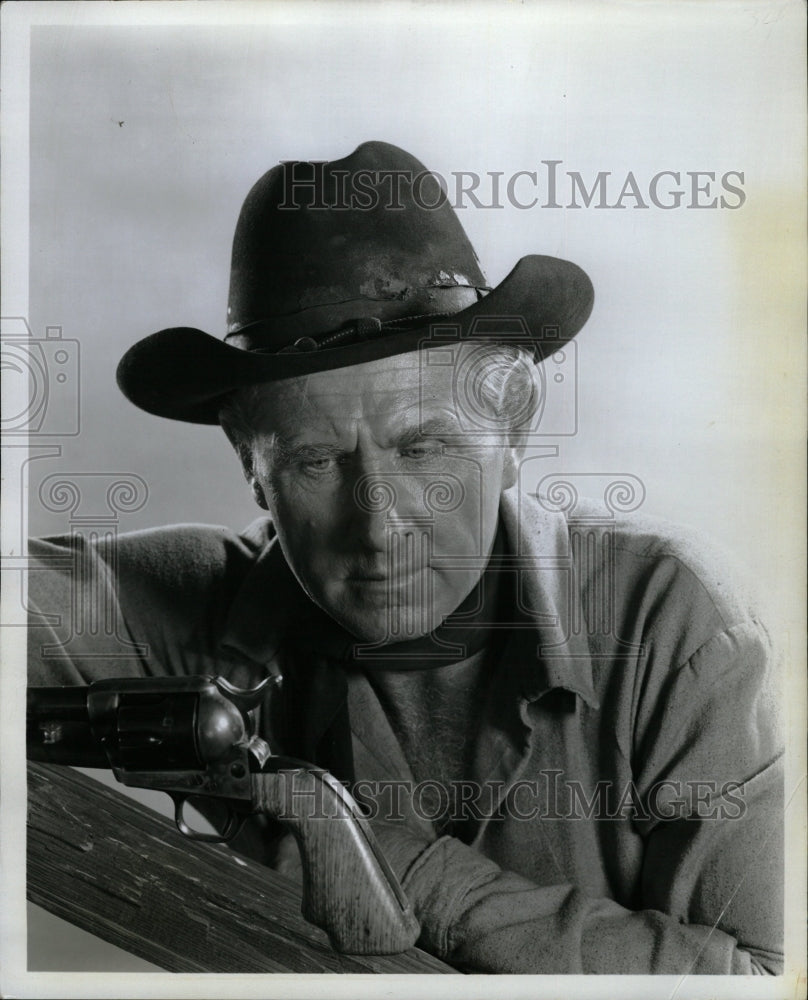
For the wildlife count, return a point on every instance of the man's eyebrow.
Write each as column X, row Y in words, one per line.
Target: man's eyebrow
column 432, row 427
column 285, row 453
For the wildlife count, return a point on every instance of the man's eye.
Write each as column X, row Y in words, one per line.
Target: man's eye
column 318, row 465
column 424, row 449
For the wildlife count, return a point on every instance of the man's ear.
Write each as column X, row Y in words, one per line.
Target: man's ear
column 258, row 493
column 245, row 453
column 513, row 453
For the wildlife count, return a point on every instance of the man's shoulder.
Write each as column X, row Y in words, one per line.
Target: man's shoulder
column 178, row 552
column 648, row 568
column 196, row 546
column 174, row 586
column 669, row 570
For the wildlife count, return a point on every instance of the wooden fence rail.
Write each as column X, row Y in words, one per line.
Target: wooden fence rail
column 118, row 870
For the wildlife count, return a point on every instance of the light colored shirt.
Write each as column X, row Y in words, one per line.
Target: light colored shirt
column 628, row 761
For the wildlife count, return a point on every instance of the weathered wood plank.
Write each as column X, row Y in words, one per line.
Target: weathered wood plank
column 116, row 869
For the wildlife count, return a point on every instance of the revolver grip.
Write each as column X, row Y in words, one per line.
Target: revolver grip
column 349, row 889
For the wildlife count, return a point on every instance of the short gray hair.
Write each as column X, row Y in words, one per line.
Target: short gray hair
column 500, row 387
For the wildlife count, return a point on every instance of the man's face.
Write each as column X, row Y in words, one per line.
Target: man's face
column 385, row 506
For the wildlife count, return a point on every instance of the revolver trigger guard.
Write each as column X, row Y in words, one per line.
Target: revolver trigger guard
column 246, row 699
column 232, row 827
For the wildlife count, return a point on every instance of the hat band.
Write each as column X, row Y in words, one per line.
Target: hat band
column 275, row 334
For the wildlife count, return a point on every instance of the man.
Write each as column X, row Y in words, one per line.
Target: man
column 560, row 720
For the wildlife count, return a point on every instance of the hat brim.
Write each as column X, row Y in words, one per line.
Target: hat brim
column 185, row 374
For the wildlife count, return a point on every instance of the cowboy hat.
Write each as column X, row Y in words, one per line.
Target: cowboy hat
column 337, row 263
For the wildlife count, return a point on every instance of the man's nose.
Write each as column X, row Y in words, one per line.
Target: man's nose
column 374, row 503
column 383, row 499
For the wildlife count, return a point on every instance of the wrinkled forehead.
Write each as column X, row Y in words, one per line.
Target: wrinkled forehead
column 374, row 390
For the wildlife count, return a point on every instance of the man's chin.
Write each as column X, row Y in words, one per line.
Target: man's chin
column 373, row 613
column 384, row 634
column 386, row 628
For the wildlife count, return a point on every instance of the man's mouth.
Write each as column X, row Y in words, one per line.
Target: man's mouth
column 375, row 571
column 398, row 576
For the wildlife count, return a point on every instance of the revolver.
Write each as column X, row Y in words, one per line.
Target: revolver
column 194, row 736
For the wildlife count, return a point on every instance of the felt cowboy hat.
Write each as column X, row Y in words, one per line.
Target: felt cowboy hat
column 337, row 263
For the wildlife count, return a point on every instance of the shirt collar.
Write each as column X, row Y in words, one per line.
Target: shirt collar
column 556, row 650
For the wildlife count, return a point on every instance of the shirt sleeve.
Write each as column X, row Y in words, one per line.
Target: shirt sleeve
column 712, row 874
column 76, row 630
column 148, row 603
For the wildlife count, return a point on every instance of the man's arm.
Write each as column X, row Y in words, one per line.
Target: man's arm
column 711, row 888
column 72, row 599
column 148, row 603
